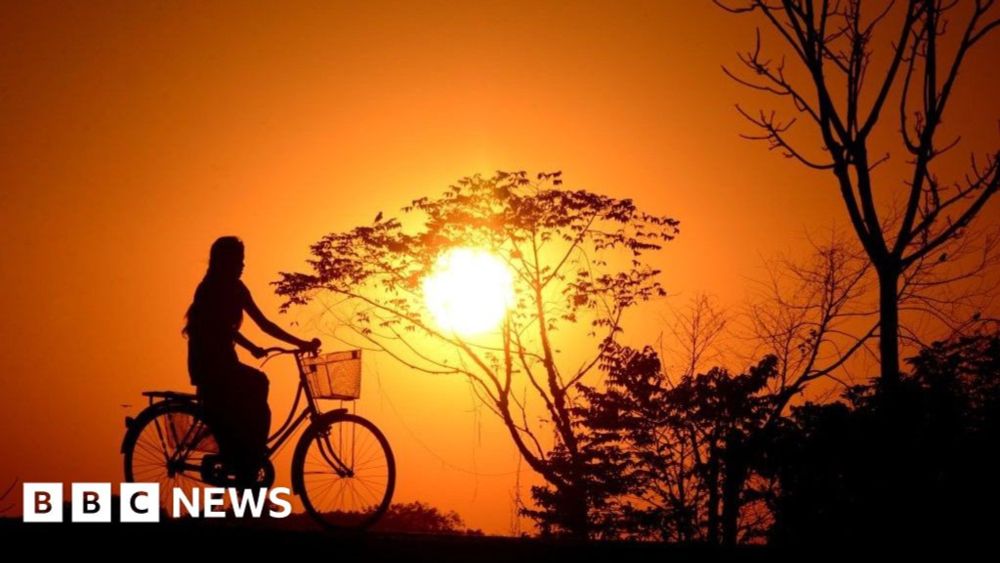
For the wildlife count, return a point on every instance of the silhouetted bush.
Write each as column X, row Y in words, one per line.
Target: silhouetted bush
column 421, row 518
column 915, row 465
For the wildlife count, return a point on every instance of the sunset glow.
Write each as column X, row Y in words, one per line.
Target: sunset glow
column 356, row 146
column 469, row 291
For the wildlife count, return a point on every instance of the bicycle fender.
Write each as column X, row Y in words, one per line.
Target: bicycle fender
column 129, row 424
column 303, row 442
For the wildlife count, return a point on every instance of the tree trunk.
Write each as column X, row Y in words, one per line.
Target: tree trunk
column 712, row 484
column 732, row 485
column 577, row 517
column 888, row 341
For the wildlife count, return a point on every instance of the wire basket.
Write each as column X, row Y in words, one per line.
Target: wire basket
column 336, row 375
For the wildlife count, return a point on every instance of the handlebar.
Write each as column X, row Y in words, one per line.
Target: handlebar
column 275, row 351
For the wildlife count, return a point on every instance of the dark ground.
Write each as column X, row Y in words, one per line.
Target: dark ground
column 198, row 539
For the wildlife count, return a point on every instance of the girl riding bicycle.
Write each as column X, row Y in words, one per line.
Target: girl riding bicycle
column 233, row 394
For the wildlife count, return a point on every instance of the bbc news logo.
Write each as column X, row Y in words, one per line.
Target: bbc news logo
column 140, row 502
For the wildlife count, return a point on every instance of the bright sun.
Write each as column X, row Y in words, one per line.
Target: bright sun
column 469, row 291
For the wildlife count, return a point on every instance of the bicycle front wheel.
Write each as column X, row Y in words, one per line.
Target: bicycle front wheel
column 344, row 471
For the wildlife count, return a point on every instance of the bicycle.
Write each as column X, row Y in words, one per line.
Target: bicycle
column 342, row 469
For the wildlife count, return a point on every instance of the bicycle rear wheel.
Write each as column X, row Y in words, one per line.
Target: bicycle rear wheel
column 169, row 444
column 344, row 471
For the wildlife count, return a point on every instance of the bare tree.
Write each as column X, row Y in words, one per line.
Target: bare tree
column 812, row 314
column 696, row 330
column 831, row 43
column 812, row 317
column 807, row 320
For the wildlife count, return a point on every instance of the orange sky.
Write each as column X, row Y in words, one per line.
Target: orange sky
column 131, row 136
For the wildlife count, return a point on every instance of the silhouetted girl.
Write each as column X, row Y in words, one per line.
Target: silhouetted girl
column 234, row 395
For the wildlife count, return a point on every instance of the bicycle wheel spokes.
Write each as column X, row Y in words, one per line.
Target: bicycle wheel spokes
column 348, row 473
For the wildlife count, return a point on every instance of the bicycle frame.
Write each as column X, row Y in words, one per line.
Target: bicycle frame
column 310, row 411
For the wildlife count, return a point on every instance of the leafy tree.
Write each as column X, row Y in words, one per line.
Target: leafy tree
column 684, row 453
column 578, row 260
